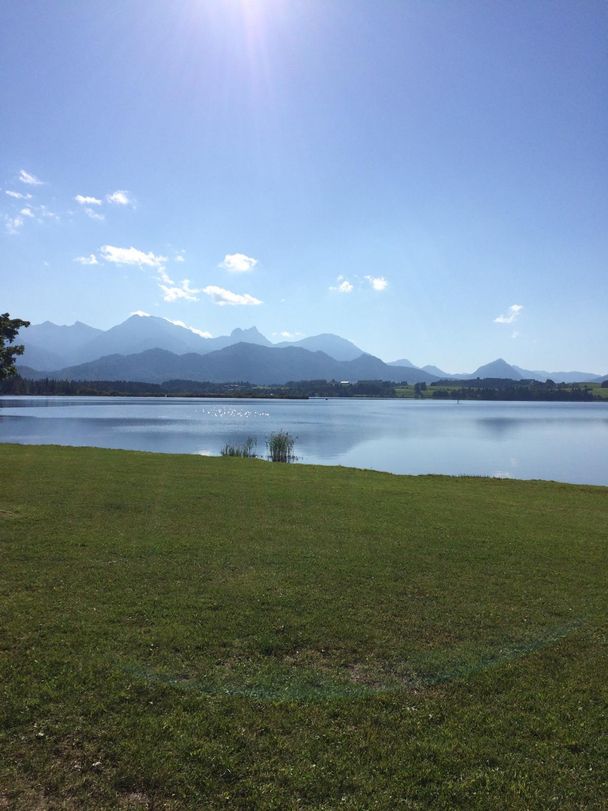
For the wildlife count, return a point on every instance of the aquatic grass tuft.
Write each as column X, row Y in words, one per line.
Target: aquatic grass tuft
column 280, row 447
column 246, row 450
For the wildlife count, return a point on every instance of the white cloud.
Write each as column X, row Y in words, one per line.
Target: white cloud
column 94, row 215
column 84, row 200
column 180, row 258
column 342, row 286
column 38, row 213
column 119, row 198
column 31, row 180
column 172, row 291
column 18, row 195
column 131, row 256
column 45, row 212
column 192, row 329
column 91, row 259
column 13, row 224
column 179, row 292
column 238, row 263
column 378, row 283
column 141, row 314
column 164, row 276
column 510, row 316
column 226, row 297
column 288, row 336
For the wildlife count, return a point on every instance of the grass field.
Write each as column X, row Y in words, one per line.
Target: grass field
column 455, row 388
column 599, row 391
column 185, row 632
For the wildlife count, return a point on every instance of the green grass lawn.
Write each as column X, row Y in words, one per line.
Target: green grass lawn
column 598, row 391
column 186, row 632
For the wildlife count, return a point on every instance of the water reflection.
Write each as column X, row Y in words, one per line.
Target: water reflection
column 501, row 427
column 565, row 441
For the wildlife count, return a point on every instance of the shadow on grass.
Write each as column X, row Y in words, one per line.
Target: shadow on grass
column 289, row 679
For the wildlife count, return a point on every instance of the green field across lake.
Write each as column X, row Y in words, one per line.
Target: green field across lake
column 218, row 633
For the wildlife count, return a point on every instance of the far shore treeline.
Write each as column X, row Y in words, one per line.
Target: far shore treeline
column 474, row 389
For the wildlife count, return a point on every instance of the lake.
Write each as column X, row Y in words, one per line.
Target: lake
column 561, row 441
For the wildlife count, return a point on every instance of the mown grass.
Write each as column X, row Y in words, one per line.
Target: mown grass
column 184, row 632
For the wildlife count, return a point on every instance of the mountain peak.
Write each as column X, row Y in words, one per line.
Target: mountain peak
column 402, row 362
column 497, row 368
column 249, row 336
column 250, row 331
column 332, row 345
column 139, row 315
column 435, row 370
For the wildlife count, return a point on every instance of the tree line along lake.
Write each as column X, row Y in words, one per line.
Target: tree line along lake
column 565, row 442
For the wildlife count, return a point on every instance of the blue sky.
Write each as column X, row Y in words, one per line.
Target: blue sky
column 428, row 179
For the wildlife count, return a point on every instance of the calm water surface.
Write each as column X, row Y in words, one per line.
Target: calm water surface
column 562, row 441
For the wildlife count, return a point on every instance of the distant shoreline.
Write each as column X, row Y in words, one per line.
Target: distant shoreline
column 479, row 389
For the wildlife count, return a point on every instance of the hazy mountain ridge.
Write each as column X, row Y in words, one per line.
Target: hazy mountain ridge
column 560, row 377
column 333, row 345
column 403, row 362
column 47, row 342
column 435, row 370
column 122, row 350
column 49, row 347
column 252, row 363
column 499, row 368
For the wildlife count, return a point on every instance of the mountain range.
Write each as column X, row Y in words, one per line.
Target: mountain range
column 152, row 349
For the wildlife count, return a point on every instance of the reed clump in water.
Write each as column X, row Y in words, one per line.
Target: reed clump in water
column 280, row 447
column 246, row 450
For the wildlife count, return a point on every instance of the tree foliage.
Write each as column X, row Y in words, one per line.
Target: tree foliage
column 9, row 327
